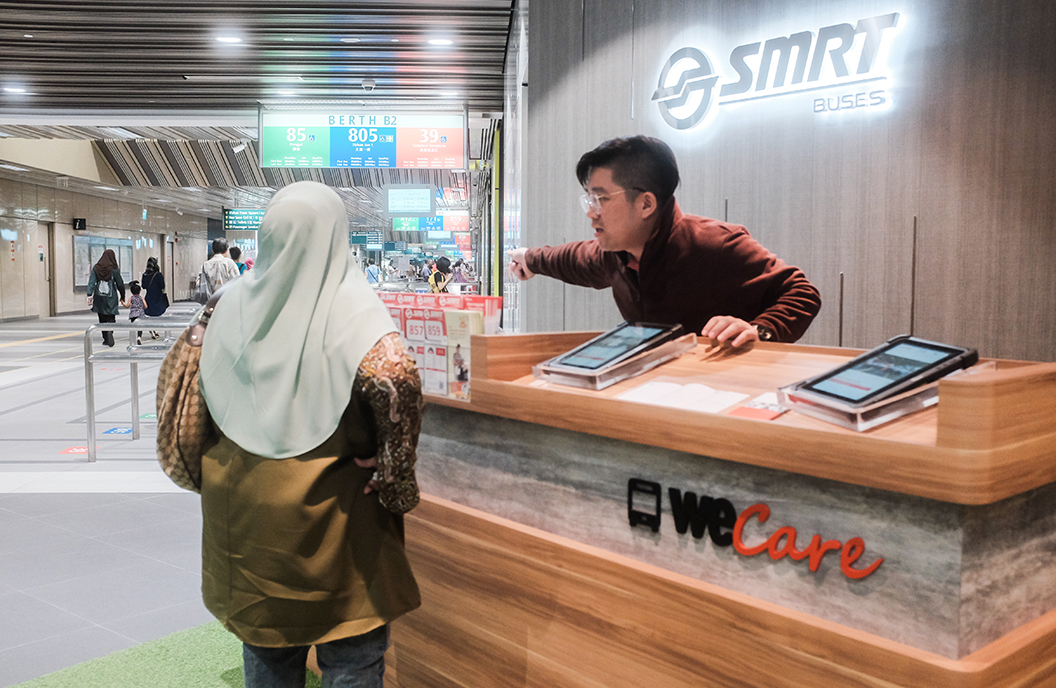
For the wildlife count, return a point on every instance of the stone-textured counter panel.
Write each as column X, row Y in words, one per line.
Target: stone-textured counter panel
column 948, row 583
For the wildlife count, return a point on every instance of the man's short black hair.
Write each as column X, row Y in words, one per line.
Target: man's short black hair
column 219, row 245
column 235, row 253
column 636, row 162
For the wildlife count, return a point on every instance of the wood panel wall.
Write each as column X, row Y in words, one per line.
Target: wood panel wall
column 967, row 147
column 508, row 606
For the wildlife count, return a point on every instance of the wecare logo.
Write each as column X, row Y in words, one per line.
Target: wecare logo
column 782, row 66
column 718, row 519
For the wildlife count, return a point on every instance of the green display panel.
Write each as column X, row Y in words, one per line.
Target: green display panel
column 295, row 147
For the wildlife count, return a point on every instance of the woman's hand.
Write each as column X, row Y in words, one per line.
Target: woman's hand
column 370, row 463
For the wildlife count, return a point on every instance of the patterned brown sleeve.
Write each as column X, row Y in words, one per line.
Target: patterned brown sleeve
column 389, row 380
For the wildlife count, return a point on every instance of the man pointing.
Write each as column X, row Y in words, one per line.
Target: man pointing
column 667, row 267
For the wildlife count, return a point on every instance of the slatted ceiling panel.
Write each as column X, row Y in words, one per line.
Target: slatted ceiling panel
column 133, row 132
column 247, row 161
column 160, row 164
column 115, row 54
column 180, row 163
column 122, row 163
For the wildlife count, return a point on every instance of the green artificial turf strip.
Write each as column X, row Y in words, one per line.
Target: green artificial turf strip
column 204, row 657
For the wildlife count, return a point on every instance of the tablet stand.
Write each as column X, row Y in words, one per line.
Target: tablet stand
column 866, row 417
column 610, row 375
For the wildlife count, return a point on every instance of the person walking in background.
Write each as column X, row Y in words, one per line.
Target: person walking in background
column 460, row 271
column 219, row 269
column 235, row 254
column 373, row 272
column 104, row 285
column 441, row 276
column 154, row 296
column 318, row 409
column 136, row 307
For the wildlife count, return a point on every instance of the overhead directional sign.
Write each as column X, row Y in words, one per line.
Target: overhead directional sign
column 242, row 219
column 362, row 138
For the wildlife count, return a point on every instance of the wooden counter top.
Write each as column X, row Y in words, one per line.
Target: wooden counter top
column 993, row 435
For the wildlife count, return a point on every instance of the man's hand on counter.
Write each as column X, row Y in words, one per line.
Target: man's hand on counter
column 726, row 328
column 518, row 268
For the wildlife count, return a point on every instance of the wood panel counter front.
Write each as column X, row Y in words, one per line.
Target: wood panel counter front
column 992, row 436
column 532, row 575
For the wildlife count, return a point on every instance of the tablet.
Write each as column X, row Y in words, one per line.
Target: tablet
column 900, row 364
column 616, row 345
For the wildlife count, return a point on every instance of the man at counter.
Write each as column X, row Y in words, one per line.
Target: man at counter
column 667, row 267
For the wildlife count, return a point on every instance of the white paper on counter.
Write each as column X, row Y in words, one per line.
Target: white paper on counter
column 690, row 397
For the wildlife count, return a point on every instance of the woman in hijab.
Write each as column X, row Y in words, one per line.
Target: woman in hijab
column 154, row 284
column 104, row 284
column 310, row 390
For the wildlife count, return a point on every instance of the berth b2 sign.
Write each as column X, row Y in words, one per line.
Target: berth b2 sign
column 719, row 519
column 822, row 61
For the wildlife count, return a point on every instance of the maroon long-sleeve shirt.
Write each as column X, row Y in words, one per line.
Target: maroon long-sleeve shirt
column 692, row 268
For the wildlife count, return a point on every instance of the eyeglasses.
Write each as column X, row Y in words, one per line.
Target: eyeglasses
column 592, row 201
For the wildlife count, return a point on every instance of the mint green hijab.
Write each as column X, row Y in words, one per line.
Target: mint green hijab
column 286, row 339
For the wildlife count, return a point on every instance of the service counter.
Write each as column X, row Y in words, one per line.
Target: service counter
column 788, row 552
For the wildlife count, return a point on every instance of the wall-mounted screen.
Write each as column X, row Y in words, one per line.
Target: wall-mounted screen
column 410, row 200
column 363, row 137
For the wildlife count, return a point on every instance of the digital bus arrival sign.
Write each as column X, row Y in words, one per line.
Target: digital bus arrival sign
column 371, row 138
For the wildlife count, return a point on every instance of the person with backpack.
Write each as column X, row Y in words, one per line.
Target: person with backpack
column 235, row 253
column 104, row 285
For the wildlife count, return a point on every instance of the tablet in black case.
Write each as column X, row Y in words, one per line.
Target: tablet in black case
column 900, row 364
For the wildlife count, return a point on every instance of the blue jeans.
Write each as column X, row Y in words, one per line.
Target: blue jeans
column 356, row 662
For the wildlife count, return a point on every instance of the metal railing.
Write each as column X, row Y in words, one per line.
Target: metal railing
column 152, row 350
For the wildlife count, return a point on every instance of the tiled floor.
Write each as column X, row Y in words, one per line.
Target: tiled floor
column 94, row 557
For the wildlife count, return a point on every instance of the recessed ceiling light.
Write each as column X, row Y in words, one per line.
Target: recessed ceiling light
column 14, row 89
column 287, row 93
column 16, row 168
column 229, row 39
column 350, row 40
column 106, row 188
column 27, row 35
column 441, row 41
column 451, row 94
column 395, row 40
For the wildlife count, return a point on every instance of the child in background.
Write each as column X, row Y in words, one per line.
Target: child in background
column 236, row 253
column 136, row 305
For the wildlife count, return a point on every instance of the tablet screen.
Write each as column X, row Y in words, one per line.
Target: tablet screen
column 876, row 373
column 606, row 349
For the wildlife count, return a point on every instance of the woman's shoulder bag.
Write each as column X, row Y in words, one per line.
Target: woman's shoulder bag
column 184, row 425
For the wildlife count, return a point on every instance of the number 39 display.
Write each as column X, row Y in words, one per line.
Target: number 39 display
column 367, row 139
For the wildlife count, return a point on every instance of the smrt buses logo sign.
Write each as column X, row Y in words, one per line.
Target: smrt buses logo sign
column 785, row 65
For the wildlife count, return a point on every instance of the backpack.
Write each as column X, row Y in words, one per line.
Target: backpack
column 202, row 291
